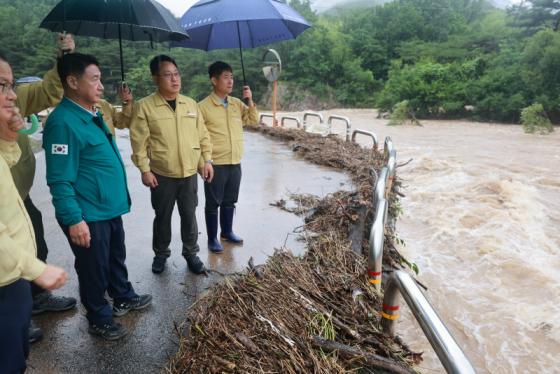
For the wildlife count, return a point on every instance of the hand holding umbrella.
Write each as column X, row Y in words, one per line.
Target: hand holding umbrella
column 222, row 24
column 136, row 20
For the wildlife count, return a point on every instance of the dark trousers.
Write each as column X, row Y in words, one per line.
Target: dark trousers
column 224, row 189
column 169, row 191
column 42, row 249
column 101, row 269
column 15, row 315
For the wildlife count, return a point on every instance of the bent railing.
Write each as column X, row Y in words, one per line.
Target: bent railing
column 346, row 121
column 312, row 114
column 381, row 185
column 266, row 115
column 450, row 354
column 292, row 118
column 366, row 133
column 387, row 146
column 376, row 239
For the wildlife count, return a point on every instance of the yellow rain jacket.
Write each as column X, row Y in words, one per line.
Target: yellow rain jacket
column 225, row 126
column 168, row 142
column 33, row 98
column 17, row 238
column 114, row 118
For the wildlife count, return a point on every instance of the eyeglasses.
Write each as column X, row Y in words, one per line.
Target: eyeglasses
column 169, row 76
column 6, row 87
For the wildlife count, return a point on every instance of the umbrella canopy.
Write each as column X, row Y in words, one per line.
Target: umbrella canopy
column 221, row 24
column 136, row 20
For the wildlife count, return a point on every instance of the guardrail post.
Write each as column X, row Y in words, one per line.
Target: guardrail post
column 376, row 241
column 381, row 185
column 265, row 115
column 346, row 120
column 298, row 122
column 450, row 354
column 391, row 165
column 367, row 133
column 312, row 114
column 387, row 147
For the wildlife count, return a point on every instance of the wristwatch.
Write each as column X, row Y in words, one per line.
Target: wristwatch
column 209, row 162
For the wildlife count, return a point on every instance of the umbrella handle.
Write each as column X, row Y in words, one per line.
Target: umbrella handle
column 33, row 128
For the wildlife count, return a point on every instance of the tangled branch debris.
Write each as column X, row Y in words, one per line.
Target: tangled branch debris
column 310, row 314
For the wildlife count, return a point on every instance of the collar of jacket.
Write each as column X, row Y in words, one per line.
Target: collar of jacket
column 80, row 111
column 159, row 100
column 218, row 101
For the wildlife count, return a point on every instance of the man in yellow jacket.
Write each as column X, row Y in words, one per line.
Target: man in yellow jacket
column 33, row 98
column 224, row 117
column 18, row 262
column 168, row 138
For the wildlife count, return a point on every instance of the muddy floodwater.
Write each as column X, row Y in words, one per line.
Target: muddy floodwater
column 481, row 220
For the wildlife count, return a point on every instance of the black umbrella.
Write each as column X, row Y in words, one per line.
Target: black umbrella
column 136, row 20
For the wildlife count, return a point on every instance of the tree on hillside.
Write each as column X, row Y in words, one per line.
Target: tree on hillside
column 537, row 14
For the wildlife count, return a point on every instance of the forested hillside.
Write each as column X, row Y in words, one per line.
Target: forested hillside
column 448, row 58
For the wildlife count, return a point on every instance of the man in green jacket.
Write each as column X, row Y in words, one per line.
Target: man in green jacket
column 87, row 179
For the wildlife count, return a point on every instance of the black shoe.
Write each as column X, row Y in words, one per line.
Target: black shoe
column 136, row 303
column 35, row 333
column 47, row 302
column 158, row 265
column 195, row 265
column 108, row 331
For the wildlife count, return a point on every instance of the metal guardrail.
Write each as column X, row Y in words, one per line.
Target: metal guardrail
column 266, row 115
column 387, row 146
column 346, row 120
column 312, row 114
column 376, row 239
column 450, row 354
column 391, row 165
column 292, row 118
column 381, row 185
column 367, row 133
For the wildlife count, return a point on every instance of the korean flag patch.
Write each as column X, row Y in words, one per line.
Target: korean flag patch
column 59, row 149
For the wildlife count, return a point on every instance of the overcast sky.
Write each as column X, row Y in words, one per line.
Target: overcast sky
column 179, row 7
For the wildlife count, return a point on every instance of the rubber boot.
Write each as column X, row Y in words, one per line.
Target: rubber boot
column 226, row 223
column 214, row 244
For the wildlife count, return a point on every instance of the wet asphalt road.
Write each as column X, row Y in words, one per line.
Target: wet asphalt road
column 270, row 172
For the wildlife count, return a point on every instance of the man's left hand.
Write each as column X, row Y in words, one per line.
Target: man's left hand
column 208, row 172
column 248, row 94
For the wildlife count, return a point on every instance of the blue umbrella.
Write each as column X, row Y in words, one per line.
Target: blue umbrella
column 221, row 24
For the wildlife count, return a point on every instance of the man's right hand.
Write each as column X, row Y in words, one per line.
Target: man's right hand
column 51, row 278
column 79, row 234
column 66, row 44
column 149, row 179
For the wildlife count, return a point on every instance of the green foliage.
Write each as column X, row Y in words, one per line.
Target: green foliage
column 534, row 118
column 402, row 114
column 322, row 325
